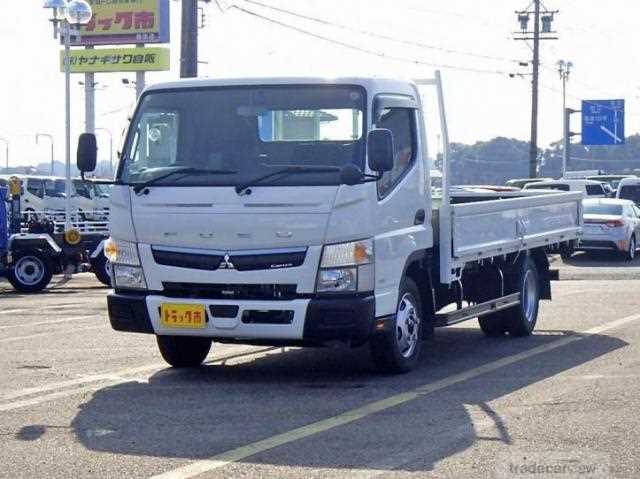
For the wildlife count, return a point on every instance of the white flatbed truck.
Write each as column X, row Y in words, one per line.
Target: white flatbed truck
column 298, row 211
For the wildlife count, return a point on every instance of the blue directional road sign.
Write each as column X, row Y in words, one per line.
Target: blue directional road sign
column 603, row 122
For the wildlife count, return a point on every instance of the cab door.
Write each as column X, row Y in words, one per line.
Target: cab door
column 403, row 216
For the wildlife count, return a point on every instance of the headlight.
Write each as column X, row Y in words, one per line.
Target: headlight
column 121, row 252
column 347, row 254
column 346, row 267
column 130, row 277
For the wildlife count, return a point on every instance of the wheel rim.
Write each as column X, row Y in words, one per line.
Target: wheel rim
column 407, row 325
column 632, row 248
column 29, row 270
column 529, row 295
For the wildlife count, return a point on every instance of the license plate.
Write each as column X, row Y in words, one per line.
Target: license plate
column 183, row 315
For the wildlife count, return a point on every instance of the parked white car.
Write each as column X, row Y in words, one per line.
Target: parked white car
column 629, row 189
column 611, row 180
column 590, row 189
column 611, row 225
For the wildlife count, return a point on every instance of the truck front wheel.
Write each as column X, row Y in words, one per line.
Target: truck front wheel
column 183, row 351
column 102, row 269
column 30, row 272
column 397, row 350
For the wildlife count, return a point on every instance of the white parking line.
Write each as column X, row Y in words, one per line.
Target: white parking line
column 37, row 335
column 13, row 311
column 53, row 321
column 115, row 377
column 243, row 452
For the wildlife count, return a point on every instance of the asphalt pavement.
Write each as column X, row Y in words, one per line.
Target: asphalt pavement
column 80, row 400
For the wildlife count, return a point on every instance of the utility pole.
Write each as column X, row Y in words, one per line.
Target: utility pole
column 533, row 144
column 189, row 39
column 543, row 20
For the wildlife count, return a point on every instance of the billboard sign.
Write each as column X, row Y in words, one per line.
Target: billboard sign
column 102, row 60
column 117, row 22
column 603, row 122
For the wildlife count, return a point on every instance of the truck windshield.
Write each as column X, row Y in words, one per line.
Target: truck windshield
column 55, row 188
column 249, row 131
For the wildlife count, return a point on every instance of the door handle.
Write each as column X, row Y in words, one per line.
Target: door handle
column 420, row 217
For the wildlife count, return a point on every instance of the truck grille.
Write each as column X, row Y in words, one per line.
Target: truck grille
column 231, row 291
column 240, row 261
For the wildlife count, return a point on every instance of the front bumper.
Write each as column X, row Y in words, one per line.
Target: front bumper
column 313, row 320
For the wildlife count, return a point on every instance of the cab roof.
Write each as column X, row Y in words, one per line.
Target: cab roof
column 371, row 83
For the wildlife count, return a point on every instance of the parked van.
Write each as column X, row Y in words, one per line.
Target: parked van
column 590, row 189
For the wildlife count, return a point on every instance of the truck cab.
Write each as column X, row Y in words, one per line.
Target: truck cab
column 298, row 211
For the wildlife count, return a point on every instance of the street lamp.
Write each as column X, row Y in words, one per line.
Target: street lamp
column 108, row 132
column 6, row 151
column 76, row 13
column 50, row 138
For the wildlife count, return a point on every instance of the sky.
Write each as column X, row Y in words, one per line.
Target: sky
column 469, row 40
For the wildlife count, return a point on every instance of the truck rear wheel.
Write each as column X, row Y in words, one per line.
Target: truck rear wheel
column 183, row 351
column 519, row 320
column 30, row 272
column 493, row 324
column 398, row 349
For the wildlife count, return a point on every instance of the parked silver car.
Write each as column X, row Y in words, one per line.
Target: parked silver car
column 611, row 224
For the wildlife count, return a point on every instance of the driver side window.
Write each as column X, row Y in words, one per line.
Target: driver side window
column 155, row 141
column 401, row 122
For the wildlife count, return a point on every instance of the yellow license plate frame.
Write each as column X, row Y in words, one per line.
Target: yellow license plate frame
column 184, row 316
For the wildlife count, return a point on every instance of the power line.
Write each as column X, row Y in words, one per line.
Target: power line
column 380, row 36
column 363, row 49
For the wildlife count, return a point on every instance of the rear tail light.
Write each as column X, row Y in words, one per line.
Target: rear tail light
column 609, row 223
column 615, row 223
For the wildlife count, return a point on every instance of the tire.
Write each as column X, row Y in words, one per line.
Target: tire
column 102, row 269
column 183, row 351
column 493, row 325
column 398, row 350
column 30, row 272
column 521, row 319
column 630, row 255
column 566, row 251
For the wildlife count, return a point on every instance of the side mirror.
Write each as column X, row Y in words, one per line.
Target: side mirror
column 380, row 150
column 87, row 152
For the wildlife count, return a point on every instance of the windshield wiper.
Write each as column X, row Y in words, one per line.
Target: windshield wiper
column 287, row 170
column 138, row 187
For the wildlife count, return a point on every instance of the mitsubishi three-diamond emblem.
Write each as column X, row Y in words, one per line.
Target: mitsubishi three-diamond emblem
column 225, row 263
